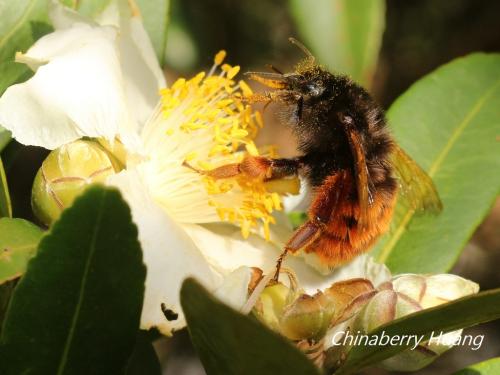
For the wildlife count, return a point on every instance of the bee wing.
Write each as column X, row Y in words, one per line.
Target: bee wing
column 416, row 187
column 363, row 184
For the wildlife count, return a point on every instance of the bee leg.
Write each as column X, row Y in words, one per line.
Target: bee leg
column 224, row 171
column 258, row 167
column 305, row 235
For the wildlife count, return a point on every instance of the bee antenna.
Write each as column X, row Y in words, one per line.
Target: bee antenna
column 303, row 48
column 273, row 68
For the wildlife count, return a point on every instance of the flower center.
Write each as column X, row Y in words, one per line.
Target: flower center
column 205, row 122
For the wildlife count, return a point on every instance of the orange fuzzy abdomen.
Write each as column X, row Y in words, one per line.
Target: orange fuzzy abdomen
column 342, row 238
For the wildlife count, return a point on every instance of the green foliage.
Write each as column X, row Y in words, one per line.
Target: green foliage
column 4, row 137
column 6, row 290
column 23, row 22
column 233, row 344
column 18, row 242
column 5, row 204
column 448, row 122
column 490, row 367
column 297, row 218
column 77, row 308
column 345, row 35
column 143, row 359
column 155, row 15
column 89, row 8
column 462, row 313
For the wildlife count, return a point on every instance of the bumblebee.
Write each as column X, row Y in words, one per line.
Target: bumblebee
column 348, row 157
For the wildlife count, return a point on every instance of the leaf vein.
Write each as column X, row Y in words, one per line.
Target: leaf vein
column 387, row 249
column 76, row 315
column 18, row 23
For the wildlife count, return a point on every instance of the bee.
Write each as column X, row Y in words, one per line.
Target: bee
column 347, row 155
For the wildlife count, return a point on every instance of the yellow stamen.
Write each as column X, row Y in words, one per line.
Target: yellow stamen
column 219, row 57
column 221, row 127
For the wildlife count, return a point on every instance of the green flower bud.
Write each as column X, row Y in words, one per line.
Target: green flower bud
column 307, row 318
column 271, row 304
column 65, row 173
column 405, row 295
column 299, row 316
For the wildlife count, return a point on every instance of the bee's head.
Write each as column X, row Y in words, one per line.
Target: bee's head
column 309, row 83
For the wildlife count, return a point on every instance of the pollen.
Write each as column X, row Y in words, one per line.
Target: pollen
column 220, row 129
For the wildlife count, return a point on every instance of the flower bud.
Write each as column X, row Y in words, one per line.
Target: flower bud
column 65, row 173
column 271, row 303
column 307, row 318
column 300, row 316
column 433, row 290
column 405, row 295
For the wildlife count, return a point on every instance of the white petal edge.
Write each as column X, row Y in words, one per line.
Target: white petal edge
column 226, row 250
column 143, row 76
column 168, row 252
column 78, row 92
column 234, row 288
column 63, row 17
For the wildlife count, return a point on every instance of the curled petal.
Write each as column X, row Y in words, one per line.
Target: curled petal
column 77, row 92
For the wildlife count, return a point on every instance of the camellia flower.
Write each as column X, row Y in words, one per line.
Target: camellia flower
column 100, row 79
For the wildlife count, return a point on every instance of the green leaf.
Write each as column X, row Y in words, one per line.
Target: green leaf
column 489, row 367
column 5, row 138
column 233, row 344
column 77, row 308
column 5, row 205
column 89, row 8
column 144, row 359
column 6, row 290
column 461, row 313
column 297, row 218
column 155, row 15
column 23, row 22
column 345, row 35
column 18, row 242
column 448, row 122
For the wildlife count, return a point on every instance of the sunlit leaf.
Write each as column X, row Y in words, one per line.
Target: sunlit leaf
column 5, row 204
column 155, row 15
column 23, row 22
column 489, row 367
column 449, row 122
column 18, row 242
column 462, row 313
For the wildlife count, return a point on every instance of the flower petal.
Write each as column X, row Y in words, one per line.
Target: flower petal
column 143, row 74
column 168, row 252
column 301, row 201
column 78, row 92
column 63, row 17
column 226, row 250
column 234, row 288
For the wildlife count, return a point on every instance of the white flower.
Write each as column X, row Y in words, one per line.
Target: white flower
column 100, row 79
